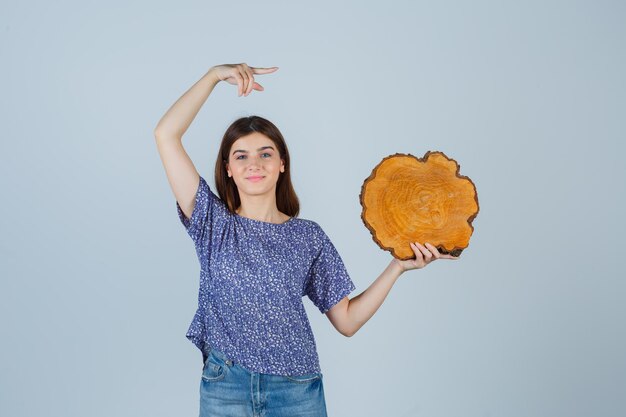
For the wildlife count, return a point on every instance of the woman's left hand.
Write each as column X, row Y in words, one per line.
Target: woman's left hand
column 424, row 254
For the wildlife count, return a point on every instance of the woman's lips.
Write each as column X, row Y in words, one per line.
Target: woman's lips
column 255, row 179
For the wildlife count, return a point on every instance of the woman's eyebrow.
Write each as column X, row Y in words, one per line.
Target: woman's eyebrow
column 260, row 149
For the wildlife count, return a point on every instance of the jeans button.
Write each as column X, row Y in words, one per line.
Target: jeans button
column 228, row 362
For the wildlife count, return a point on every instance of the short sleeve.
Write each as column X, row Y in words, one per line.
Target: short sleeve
column 328, row 281
column 201, row 215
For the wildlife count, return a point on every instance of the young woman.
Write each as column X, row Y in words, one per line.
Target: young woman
column 257, row 261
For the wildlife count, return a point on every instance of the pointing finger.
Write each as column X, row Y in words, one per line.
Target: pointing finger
column 263, row 70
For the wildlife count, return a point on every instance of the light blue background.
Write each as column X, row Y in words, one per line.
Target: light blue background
column 99, row 279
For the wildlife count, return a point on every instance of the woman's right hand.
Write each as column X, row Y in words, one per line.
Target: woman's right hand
column 241, row 75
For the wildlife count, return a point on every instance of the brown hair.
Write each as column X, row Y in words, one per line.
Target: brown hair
column 286, row 198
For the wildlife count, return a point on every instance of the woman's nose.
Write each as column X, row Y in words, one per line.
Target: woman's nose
column 254, row 161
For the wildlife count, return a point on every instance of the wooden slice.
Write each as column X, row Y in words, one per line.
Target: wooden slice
column 410, row 199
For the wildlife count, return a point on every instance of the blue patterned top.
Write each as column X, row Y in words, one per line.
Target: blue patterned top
column 253, row 276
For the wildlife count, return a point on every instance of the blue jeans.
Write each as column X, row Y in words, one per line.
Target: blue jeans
column 229, row 390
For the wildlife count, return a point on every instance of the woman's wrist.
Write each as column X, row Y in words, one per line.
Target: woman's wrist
column 212, row 76
column 396, row 265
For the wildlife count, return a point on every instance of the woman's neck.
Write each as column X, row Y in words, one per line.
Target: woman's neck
column 263, row 212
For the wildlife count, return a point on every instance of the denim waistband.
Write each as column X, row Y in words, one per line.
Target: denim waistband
column 219, row 354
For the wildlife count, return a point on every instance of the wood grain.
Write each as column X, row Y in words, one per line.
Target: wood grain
column 410, row 199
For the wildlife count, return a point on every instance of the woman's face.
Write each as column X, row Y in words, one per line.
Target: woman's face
column 253, row 156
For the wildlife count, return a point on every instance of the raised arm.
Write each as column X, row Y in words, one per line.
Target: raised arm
column 180, row 170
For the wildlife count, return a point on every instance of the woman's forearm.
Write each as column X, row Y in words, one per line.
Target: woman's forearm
column 362, row 307
column 177, row 119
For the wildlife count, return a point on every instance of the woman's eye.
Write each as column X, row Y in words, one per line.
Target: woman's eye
column 265, row 153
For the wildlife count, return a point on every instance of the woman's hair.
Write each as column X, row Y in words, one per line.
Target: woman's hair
column 286, row 198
